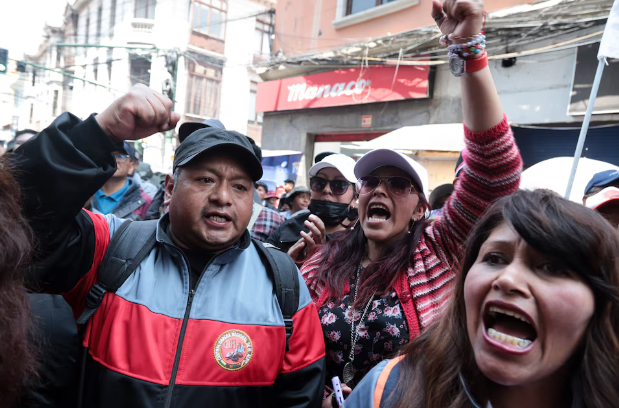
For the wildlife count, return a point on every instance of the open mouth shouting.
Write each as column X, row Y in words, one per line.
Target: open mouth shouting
column 218, row 219
column 508, row 327
column 378, row 212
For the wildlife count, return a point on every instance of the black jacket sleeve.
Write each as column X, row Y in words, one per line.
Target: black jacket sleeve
column 275, row 236
column 59, row 170
column 303, row 388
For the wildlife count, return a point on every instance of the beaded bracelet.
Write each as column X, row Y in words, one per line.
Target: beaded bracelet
column 471, row 48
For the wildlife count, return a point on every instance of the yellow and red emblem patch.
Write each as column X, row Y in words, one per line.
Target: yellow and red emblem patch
column 233, row 350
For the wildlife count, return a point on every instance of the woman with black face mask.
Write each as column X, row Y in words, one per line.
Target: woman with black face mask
column 331, row 209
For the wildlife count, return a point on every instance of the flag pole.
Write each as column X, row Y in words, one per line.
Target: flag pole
column 585, row 125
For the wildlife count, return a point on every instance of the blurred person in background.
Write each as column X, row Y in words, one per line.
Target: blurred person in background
column 262, row 190
column 533, row 320
column 283, row 202
column 438, row 197
column 146, row 186
column 289, row 185
column 121, row 195
column 271, row 200
column 299, row 200
column 20, row 138
column 602, row 195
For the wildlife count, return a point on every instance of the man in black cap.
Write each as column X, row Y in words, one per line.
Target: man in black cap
column 198, row 320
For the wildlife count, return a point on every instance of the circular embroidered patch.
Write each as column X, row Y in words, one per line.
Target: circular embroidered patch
column 233, row 350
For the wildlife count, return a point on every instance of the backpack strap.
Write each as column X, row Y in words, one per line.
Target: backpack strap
column 131, row 243
column 286, row 280
column 382, row 380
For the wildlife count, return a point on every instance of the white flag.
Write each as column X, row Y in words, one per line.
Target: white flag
column 610, row 40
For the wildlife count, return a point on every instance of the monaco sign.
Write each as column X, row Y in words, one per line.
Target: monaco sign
column 352, row 86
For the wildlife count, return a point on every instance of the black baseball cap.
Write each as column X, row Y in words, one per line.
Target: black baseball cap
column 188, row 128
column 208, row 138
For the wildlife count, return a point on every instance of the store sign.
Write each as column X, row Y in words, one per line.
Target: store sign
column 352, row 86
column 366, row 121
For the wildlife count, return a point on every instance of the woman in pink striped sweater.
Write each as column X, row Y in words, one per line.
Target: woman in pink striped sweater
column 382, row 281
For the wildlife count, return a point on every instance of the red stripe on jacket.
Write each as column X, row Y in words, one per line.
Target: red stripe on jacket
column 76, row 297
column 130, row 339
column 307, row 345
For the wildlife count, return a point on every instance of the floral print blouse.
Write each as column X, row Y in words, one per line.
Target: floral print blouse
column 383, row 332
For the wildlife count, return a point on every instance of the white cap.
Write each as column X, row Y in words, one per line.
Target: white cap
column 603, row 197
column 387, row 157
column 338, row 161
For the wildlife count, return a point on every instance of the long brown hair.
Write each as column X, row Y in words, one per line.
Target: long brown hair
column 17, row 363
column 441, row 359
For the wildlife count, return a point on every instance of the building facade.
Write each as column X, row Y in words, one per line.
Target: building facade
column 540, row 57
column 196, row 52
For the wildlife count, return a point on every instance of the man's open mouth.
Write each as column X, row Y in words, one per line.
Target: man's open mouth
column 509, row 327
column 219, row 217
column 378, row 213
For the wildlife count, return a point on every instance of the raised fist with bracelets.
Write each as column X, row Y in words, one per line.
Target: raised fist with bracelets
column 462, row 23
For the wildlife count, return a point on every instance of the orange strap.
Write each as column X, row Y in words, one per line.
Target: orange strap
column 382, row 380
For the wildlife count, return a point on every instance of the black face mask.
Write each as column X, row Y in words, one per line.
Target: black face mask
column 331, row 213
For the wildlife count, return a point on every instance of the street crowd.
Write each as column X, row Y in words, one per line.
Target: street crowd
column 203, row 288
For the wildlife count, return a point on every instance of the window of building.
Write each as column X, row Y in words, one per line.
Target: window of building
column 140, row 70
column 253, row 116
column 110, row 55
column 112, row 17
column 209, row 17
column 261, row 38
column 355, row 6
column 55, row 104
column 95, row 69
column 203, row 90
column 145, row 9
column 86, row 39
column 99, row 17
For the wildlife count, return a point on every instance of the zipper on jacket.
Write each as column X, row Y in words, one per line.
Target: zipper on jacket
column 179, row 348
column 181, row 337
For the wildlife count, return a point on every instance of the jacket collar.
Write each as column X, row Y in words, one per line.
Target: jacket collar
column 224, row 258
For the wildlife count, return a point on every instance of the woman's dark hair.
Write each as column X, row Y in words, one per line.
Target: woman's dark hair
column 434, row 362
column 343, row 254
column 17, row 363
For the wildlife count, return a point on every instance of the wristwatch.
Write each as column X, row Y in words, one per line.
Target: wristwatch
column 459, row 66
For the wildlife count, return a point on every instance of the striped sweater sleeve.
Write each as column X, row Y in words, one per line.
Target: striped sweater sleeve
column 310, row 272
column 492, row 170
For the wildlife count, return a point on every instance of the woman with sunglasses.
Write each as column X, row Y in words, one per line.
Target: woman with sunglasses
column 331, row 207
column 381, row 282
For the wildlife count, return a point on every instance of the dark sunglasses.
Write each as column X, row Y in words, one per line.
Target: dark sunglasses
column 338, row 187
column 398, row 186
